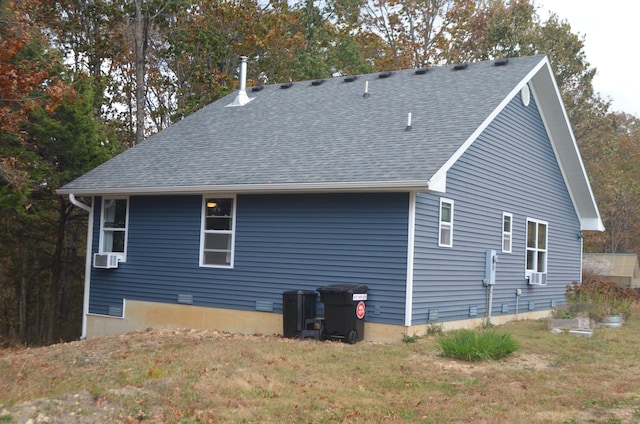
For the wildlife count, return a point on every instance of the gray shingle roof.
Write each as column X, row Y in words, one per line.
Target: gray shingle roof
column 325, row 136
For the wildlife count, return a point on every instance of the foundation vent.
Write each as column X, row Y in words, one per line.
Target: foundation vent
column 433, row 315
column 186, row 299
column 264, row 306
column 115, row 311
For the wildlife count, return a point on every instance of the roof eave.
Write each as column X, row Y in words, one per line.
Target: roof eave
column 332, row 187
column 556, row 121
column 565, row 146
column 591, row 224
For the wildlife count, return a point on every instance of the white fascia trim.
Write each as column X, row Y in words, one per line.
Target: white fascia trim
column 577, row 182
column 591, row 224
column 438, row 182
column 408, row 307
column 330, row 187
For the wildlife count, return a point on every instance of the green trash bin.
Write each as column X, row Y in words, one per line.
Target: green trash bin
column 344, row 311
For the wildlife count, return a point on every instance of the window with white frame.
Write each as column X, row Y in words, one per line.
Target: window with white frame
column 217, row 239
column 507, row 220
column 113, row 226
column 445, row 235
column 536, row 246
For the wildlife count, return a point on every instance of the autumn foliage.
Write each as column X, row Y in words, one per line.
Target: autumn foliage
column 72, row 95
column 25, row 69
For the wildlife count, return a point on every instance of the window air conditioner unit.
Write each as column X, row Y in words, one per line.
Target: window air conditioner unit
column 538, row 279
column 105, row 260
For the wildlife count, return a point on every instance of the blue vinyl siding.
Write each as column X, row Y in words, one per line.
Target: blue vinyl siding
column 283, row 242
column 512, row 168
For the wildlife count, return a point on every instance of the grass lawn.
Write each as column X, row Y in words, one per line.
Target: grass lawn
column 206, row 376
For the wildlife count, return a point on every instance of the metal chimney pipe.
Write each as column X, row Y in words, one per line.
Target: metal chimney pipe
column 242, row 98
column 243, row 73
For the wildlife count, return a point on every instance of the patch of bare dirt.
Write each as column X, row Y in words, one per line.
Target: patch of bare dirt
column 518, row 361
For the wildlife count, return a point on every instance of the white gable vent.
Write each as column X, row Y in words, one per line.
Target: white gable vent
column 525, row 95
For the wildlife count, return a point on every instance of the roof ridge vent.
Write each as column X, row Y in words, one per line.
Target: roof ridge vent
column 351, row 78
column 286, row 85
column 421, row 71
column 317, row 82
column 460, row 66
column 385, row 74
column 242, row 98
column 257, row 88
column 501, row 62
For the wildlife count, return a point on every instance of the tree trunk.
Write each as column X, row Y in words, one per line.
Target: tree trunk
column 140, row 61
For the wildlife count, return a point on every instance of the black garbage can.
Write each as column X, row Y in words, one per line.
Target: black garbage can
column 298, row 309
column 344, row 311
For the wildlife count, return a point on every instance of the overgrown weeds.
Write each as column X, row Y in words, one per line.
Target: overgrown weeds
column 598, row 298
column 474, row 346
column 410, row 339
column 435, row 329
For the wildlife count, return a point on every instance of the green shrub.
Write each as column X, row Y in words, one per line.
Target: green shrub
column 469, row 345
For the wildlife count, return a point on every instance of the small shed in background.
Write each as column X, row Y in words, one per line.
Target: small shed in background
column 621, row 268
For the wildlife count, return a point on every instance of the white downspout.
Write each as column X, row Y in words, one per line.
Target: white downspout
column 76, row 202
column 408, row 306
column 87, row 264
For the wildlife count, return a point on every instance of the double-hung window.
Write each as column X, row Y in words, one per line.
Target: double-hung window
column 113, row 226
column 217, row 238
column 507, row 220
column 445, row 233
column 536, row 246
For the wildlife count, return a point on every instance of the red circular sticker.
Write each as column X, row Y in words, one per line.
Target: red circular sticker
column 360, row 309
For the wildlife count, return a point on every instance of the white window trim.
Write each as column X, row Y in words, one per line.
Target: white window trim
column 442, row 224
column 122, row 256
column 509, row 233
column 203, row 216
column 528, row 272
